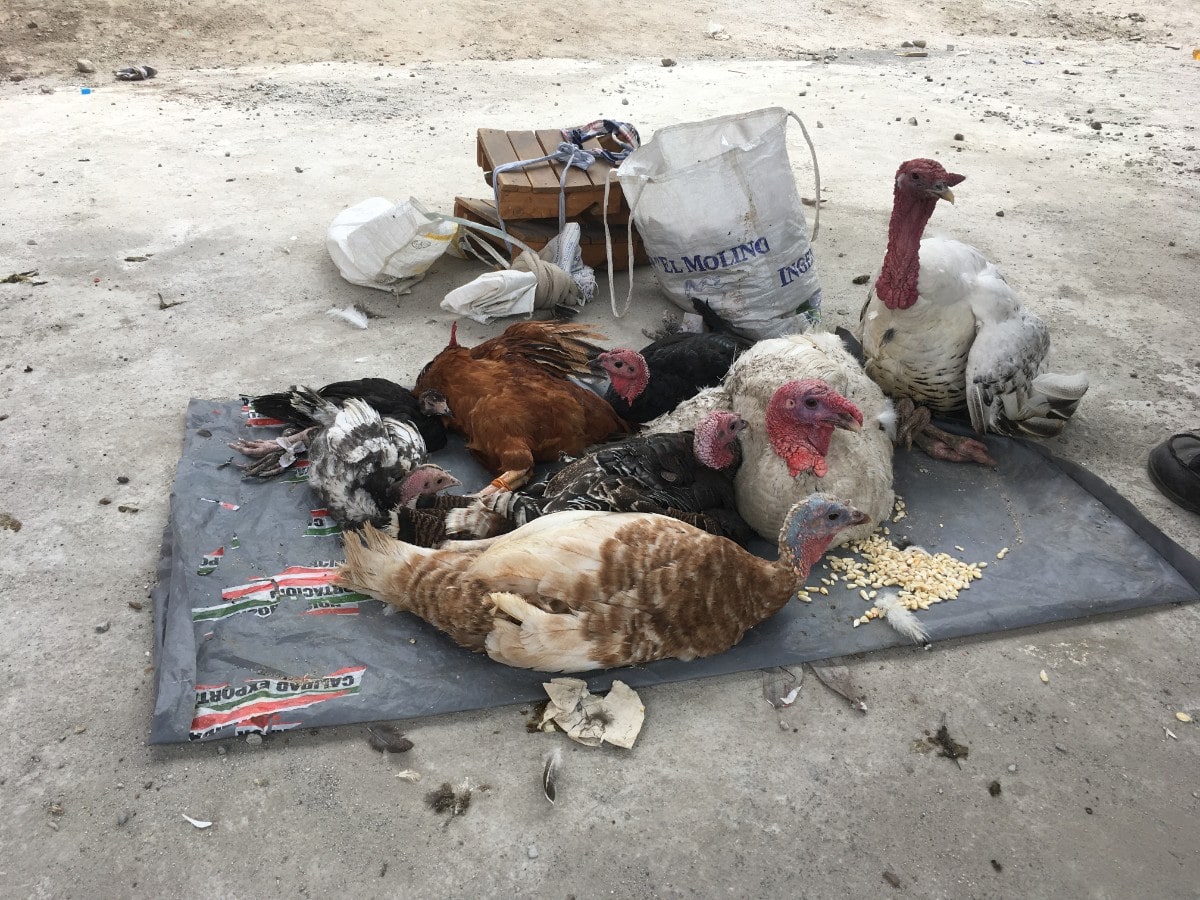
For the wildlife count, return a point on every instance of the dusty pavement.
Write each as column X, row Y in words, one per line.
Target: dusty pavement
column 224, row 172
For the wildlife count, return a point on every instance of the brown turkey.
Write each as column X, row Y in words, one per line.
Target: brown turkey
column 576, row 591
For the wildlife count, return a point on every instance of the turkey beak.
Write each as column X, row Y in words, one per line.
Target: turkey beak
column 848, row 421
column 941, row 190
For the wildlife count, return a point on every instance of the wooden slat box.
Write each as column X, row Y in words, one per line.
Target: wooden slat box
column 532, row 193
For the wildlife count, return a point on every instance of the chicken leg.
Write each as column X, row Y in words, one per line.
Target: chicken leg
column 273, row 455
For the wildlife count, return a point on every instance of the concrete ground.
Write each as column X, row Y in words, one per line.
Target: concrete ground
column 224, row 181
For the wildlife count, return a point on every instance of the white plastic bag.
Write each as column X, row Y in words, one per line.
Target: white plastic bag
column 386, row 245
column 716, row 205
column 493, row 294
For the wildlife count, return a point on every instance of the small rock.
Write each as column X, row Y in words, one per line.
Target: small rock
column 226, row 152
column 1012, row 34
column 16, row 76
column 820, row 124
column 124, row 817
column 12, row 523
column 261, row 782
column 958, row 136
column 860, row 279
column 254, row 740
column 950, row 48
column 1000, row 213
column 920, row 43
column 103, row 627
column 624, row 101
column 46, row 89
column 298, row 169
column 122, row 479
column 532, row 851
column 85, row 66
column 1096, row 125
column 134, row 604
column 906, row 43
column 221, row 751
column 994, row 788
column 1012, row 767
column 912, row 120
column 667, row 62
column 803, row 94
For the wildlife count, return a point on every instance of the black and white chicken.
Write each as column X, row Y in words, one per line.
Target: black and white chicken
column 358, row 458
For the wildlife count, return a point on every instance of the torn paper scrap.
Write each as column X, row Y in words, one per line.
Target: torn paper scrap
column 615, row 718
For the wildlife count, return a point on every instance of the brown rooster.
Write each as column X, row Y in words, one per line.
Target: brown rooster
column 513, row 398
column 581, row 590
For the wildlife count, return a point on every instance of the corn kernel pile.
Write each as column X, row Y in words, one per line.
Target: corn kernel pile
column 923, row 578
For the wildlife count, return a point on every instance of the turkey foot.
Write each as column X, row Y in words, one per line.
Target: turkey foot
column 913, row 426
column 273, row 455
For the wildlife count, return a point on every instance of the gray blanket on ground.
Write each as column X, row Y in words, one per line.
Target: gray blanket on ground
column 250, row 637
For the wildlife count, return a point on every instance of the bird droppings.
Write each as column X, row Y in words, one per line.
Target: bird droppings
column 388, row 739
column 103, row 627
column 9, row 522
column 997, row 866
column 994, row 788
column 948, row 746
column 446, row 800
column 891, row 878
column 122, row 479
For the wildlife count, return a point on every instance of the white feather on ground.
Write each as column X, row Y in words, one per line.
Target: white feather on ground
column 351, row 314
column 900, row 617
column 860, row 463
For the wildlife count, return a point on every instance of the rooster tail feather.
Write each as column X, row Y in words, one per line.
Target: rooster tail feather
column 901, row 618
column 309, row 403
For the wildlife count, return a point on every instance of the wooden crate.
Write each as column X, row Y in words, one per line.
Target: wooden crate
column 539, row 232
column 532, row 192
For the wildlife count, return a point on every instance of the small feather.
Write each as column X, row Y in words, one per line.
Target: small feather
column 351, row 314
column 553, row 761
column 388, row 739
column 901, row 618
column 197, row 822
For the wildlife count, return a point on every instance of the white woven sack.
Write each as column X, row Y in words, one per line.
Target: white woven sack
column 716, row 205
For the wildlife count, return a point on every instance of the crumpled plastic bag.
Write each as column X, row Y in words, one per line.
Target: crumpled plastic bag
column 504, row 293
column 385, row 245
column 555, row 278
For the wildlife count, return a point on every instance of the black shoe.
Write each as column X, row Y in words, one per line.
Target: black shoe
column 1175, row 469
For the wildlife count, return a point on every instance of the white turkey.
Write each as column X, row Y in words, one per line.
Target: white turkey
column 855, row 464
column 943, row 329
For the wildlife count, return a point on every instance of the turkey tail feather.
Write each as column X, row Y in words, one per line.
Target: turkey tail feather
column 1052, row 402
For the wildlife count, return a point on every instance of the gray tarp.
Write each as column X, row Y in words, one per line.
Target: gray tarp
column 236, row 651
